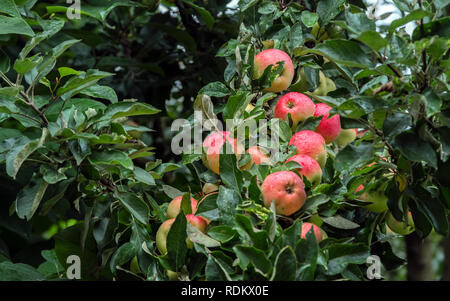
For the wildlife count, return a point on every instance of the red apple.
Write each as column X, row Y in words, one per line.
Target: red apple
column 258, row 155
column 311, row 144
column 213, row 147
column 297, row 104
column 310, row 168
column 306, row 227
column 329, row 128
column 272, row 57
column 174, row 206
column 286, row 189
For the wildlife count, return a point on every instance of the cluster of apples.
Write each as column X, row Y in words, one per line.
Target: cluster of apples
column 172, row 211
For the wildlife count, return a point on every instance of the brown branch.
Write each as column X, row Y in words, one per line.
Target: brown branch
column 36, row 109
column 109, row 185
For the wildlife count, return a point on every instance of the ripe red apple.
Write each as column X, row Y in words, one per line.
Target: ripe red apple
column 311, row 144
column 272, row 57
column 297, row 104
column 286, row 189
column 161, row 235
column 306, row 227
column 258, row 155
column 310, row 168
column 329, row 128
column 213, row 146
column 346, row 136
column 174, row 206
column 403, row 228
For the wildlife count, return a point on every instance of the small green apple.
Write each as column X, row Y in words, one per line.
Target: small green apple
column 403, row 228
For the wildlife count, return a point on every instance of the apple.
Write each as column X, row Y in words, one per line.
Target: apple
column 329, row 128
column 161, row 235
column 306, row 227
column 174, row 206
column 403, row 228
column 297, row 104
column 311, row 144
column 213, row 147
column 272, row 57
column 346, row 136
column 173, row 276
column 310, row 168
column 286, row 189
column 377, row 198
column 258, row 155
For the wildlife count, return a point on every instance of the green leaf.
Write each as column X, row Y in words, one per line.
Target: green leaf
column 143, row 176
column 352, row 156
column 344, row 52
column 14, row 25
column 246, row 4
column 126, row 109
column 372, row 39
column 136, row 206
column 29, row 198
column 27, row 64
column 396, row 123
column 223, row 234
column 122, row 255
column 99, row 11
column 339, row 222
column 227, row 201
column 66, row 71
column 176, row 243
column 415, row 149
column 296, row 36
column 23, row 148
column 103, row 92
column 5, row 62
column 111, row 157
column 285, row 265
column 80, row 82
column 328, row 10
column 431, row 207
column 171, row 192
column 229, row 172
column 251, row 255
column 215, row 89
column 19, row 272
column 208, row 207
column 195, row 235
column 309, row 18
column 341, row 255
column 412, row 16
column 204, row 14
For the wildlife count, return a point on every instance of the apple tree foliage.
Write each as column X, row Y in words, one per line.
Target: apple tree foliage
column 77, row 179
